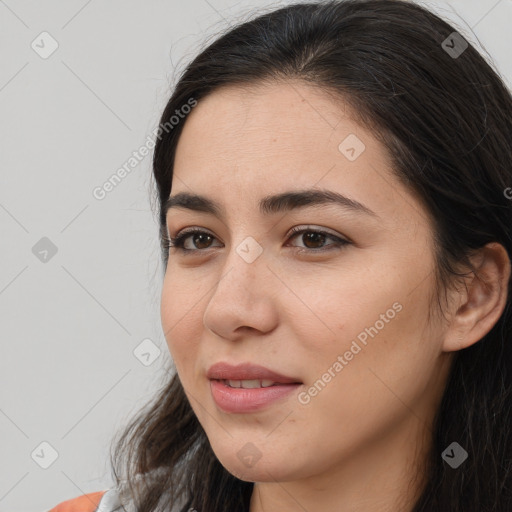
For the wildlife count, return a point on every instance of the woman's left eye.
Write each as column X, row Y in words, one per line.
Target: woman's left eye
column 314, row 237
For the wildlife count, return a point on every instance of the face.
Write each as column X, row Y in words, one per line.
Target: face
column 340, row 308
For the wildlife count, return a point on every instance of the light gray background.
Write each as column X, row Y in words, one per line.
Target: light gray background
column 69, row 325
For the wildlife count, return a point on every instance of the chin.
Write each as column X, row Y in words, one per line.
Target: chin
column 275, row 468
column 258, row 473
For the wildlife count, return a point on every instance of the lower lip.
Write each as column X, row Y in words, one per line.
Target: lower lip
column 241, row 400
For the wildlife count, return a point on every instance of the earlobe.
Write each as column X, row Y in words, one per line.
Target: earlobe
column 482, row 301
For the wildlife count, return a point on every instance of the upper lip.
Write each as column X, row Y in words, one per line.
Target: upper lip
column 246, row 371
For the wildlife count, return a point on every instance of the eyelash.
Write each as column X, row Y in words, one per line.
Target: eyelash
column 178, row 241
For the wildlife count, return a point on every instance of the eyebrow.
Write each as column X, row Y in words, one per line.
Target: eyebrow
column 269, row 205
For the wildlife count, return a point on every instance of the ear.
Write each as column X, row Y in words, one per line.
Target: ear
column 479, row 305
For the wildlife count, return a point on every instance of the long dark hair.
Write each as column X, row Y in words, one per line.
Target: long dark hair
column 445, row 116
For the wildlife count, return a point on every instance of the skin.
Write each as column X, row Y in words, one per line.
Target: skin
column 361, row 440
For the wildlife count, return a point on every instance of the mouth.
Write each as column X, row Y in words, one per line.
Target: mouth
column 248, row 375
column 248, row 388
column 253, row 383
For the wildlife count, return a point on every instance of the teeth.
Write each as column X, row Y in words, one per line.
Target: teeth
column 250, row 384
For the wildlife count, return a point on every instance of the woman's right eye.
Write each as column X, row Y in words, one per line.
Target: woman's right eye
column 178, row 242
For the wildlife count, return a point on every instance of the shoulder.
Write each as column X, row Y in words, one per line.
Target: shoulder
column 101, row 501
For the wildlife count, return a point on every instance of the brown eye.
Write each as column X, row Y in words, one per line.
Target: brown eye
column 314, row 240
column 200, row 240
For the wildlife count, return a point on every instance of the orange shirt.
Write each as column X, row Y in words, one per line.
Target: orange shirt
column 89, row 503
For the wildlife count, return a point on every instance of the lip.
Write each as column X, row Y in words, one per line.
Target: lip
column 247, row 371
column 242, row 400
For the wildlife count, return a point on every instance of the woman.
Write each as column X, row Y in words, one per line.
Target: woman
column 335, row 219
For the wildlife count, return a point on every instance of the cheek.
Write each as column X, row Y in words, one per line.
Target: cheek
column 387, row 381
column 181, row 318
column 346, row 312
column 378, row 332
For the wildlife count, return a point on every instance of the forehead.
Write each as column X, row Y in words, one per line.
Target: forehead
column 242, row 143
column 279, row 116
column 291, row 127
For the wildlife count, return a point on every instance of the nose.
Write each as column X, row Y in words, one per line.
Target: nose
column 244, row 296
